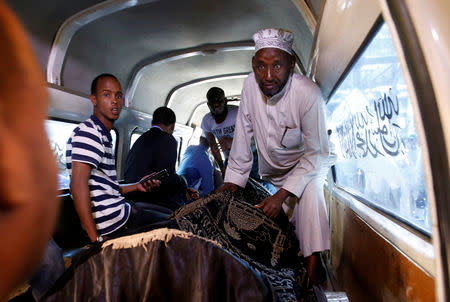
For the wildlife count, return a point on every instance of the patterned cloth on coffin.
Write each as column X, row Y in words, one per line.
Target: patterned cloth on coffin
column 268, row 245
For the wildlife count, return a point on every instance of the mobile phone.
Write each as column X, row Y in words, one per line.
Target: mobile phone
column 156, row 176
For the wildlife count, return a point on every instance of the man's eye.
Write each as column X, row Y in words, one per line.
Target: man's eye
column 119, row 96
column 278, row 66
column 260, row 67
column 106, row 94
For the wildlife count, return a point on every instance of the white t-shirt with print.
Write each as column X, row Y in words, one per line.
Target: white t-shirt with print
column 224, row 129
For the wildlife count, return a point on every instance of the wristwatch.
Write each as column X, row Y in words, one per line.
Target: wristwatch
column 99, row 239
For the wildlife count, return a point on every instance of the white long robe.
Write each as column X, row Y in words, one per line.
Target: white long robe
column 293, row 150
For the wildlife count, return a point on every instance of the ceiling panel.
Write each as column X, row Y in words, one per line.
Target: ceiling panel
column 43, row 18
column 123, row 42
column 119, row 42
column 149, row 95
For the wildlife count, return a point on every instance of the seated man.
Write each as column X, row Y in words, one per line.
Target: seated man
column 197, row 169
column 93, row 180
column 154, row 151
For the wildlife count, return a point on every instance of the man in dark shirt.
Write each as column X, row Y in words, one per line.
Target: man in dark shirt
column 154, row 151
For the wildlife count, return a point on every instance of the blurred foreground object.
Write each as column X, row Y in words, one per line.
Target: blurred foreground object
column 28, row 187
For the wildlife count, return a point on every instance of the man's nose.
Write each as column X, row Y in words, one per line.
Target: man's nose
column 268, row 74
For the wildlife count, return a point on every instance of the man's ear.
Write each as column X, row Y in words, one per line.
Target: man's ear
column 93, row 99
column 292, row 63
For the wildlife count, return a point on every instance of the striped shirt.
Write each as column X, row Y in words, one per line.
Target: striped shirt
column 91, row 143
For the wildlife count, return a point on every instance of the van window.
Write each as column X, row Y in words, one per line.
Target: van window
column 134, row 138
column 58, row 133
column 373, row 129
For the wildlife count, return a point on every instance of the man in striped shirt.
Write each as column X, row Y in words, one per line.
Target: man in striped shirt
column 90, row 160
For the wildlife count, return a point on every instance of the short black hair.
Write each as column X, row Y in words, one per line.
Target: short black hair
column 215, row 94
column 95, row 81
column 204, row 141
column 163, row 115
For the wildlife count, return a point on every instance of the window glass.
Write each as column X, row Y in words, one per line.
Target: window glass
column 134, row 138
column 58, row 134
column 179, row 154
column 373, row 130
column 114, row 140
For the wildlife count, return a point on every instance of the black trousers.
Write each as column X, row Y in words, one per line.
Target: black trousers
column 145, row 217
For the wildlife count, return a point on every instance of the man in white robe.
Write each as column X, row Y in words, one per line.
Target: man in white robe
column 284, row 112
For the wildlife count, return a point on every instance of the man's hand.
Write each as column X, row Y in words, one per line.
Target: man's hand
column 228, row 186
column 271, row 205
column 225, row 142
column 140, row 187
column 192, row 194
column 148, row 185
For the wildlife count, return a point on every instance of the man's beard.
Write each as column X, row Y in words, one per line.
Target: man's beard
column 220, row 116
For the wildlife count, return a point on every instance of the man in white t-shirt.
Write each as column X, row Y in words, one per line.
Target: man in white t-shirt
column 218, row 125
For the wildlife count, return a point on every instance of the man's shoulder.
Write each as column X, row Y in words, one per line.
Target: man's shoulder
column 233, row 108
column 302, row 82
column 161, row 136
column 232, row 114
column 250, row 88
column 250, row 80
column 305, row 92
column 153, row 135
column 86, row 128
column 149, row 133
column 190, row 150
column 207, row 120
column 89, row 123
column 207, row 117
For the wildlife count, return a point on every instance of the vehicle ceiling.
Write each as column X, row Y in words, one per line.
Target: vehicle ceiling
column 163, row 52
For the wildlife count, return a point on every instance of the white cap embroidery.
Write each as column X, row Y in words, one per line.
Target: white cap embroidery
column 274, row 38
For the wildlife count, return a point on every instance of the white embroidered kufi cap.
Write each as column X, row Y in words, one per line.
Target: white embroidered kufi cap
column 274, row 38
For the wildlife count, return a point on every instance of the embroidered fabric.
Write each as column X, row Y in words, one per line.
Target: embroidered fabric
column 268, row 245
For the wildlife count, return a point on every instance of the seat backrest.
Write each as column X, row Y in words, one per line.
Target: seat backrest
column 69, row 233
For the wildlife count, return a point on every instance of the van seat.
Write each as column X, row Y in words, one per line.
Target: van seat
column 69, row 234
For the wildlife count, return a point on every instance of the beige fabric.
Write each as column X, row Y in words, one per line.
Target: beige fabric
column 309, row 216
column 163, row 234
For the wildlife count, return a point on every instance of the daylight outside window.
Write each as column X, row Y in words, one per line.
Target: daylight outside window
column 134, row 138
column 373, row 129
column 58, row 134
